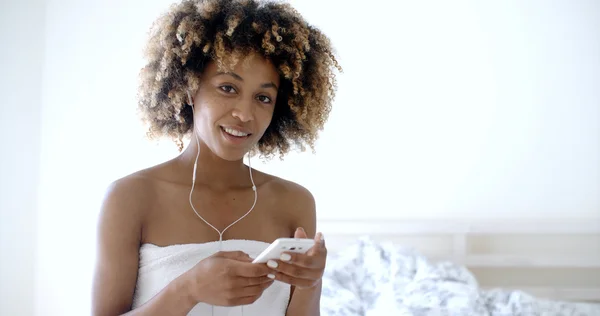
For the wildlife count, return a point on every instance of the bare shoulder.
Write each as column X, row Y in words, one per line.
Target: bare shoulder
column 119, row 233
column 295, row 200
column 129, row 193
column 128, row 200
column 288, row 192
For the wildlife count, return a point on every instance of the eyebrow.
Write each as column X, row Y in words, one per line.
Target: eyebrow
column 238, row 77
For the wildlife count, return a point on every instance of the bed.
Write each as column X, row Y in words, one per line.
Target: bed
column 391, row 267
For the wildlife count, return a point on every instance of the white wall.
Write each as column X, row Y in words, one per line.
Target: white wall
column 21, row 55
column 470, row 109
column 466, row 109
column 90, row 136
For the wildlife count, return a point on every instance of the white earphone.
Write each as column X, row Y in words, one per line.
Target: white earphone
column 194, row 182
column 191, row 103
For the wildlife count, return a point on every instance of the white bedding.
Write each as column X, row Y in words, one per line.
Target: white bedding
column 370, row 278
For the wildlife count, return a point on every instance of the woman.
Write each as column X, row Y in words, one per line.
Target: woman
column 237, row 77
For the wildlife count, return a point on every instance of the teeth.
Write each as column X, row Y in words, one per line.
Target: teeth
column 235, row 132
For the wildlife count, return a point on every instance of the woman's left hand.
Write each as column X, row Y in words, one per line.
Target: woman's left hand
column 301, row 270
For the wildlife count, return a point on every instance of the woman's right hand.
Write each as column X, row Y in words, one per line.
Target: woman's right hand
column 228, row 279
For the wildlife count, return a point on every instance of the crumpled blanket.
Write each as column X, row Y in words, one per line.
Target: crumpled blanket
column 375, row 278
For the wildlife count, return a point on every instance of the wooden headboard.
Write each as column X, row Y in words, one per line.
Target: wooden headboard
column 555, row 259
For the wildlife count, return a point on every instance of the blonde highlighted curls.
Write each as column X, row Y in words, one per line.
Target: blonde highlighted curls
column 195, row 32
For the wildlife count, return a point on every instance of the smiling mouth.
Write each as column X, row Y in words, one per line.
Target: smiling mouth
column 235, row 133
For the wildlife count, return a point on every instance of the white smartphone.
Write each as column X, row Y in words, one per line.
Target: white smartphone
column 281, row 245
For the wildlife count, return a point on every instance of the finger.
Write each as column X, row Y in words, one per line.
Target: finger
column 311, row 260
column 249, row 270
column 253, row 290
column 294, row 270
column 235, row 255
column 298, row 282
column 300, row 233
column 244, row 281
column 320, row 240
column 318, row 249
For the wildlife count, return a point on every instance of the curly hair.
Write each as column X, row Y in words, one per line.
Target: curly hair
column 195, row 32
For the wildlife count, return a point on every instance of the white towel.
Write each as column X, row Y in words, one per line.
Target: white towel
column 160, row 265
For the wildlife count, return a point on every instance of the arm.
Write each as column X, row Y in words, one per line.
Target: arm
column 118, row 241
column 305, row 301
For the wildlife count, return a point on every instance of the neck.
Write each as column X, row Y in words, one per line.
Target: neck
column 212, row 170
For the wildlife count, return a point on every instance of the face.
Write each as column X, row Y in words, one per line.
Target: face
column 232, row 109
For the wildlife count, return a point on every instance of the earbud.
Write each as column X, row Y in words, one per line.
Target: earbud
column 192, row 191
column 190, row 101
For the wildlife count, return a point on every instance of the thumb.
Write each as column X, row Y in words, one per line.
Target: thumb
column 235, row 255
column 300, row 233
column 319, row 244
column 319, row 239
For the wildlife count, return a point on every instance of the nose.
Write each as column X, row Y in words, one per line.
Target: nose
column 244, row 111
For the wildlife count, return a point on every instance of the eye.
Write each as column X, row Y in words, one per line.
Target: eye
column 264, row 99
column 227, row 89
